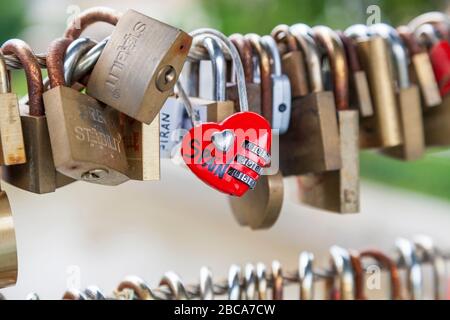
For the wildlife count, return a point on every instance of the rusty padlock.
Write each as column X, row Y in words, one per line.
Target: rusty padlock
column 408, row 98
column 84, row 134
column 436, row 120
column 336, row 190
column 293, row 60
column 359, row 85
column 141, row 141
column 312, row 143
column 137, row 40
column 8, row 247
column 383, row 130
column 12, row 147
column 253, row 89
column 39, row 175
column 421, row 69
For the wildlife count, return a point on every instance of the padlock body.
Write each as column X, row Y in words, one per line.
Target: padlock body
column 436, row 123
column 360, row 96
column 212, row 111
column 425, row 79
column 253, row 94
column 413, row 147
column 8, row 247
column 281, row 100
column 374, row 56
column 293, row 65
column 440, row 59
column 170, row 123
column 312, row 143
column 337, row 191
column 12, row 147
column 139, row 66
column 85, row 137
column 38, row 175
column 141, row 143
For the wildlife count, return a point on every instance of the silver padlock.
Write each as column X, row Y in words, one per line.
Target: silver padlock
column 281, row 88
column 171, row 119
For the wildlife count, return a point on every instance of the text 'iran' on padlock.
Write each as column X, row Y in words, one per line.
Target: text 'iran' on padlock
column 253, row 89
column 84, row 134
column 336, row 190
column 408, row 98
column 8, row 247
column 12, row 147
column 421, row 69
column 293, row 60
column 139, row 66
column 141, row 141
column 437, row 119
column 312, row 143
column 259, row 208
column 383, row 130
column 228, row 156
column 38, row 175
column 359, row 84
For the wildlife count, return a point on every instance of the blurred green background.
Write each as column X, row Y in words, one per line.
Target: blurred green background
column 430, row 175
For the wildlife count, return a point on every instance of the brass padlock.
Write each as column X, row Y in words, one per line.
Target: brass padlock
column 253, row 89
column 12, row 147
column 84, row 134
column 421, row 68
column 118, row 78
column 359, row 85
column 8, row 247
column 408, row 98
column 219, row 108
column 383, row 130
column 141, row 141
column 37, row 175
column 312, row 143
column 336, row 190
column 293, row 60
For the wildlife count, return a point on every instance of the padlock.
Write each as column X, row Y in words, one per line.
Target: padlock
column 312, row 143
column 359, row 85
column 281, row 88
column 84, row 134
column 118, row 79
column 293, row 61
column 141, row 141
column 383, row 130
column 253, row 89
column 38, row 175
column 171, row 119
column 436, row 120
column 408, row 98
column 8, row 247
column 336, row 190
column 12, row 147
column 219, row 108
column 421, row 69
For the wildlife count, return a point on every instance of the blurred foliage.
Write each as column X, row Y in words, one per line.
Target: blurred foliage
column 12, row 18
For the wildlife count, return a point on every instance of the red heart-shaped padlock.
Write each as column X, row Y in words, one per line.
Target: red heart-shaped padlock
column 229, row 156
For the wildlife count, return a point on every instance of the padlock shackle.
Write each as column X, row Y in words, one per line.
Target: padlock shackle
column 73, row 54
column 433, row 18
column 351, row 53
column 234, row 283
column 428, row 35
column 270, row 46
column 32, row 72
column 334, row 51
column 341, row 264
column 219, row 68
column 89, row 17
column 55, row 61
column 410, row 41
column 306, row 275
column 281, row 34
column 5, row 83
column 398, row 52
column 359, row 275
column 245, row 52
column 358, row 32
column 389, row 264
column 305, row 40
column 265, row 75
column 408, row 258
